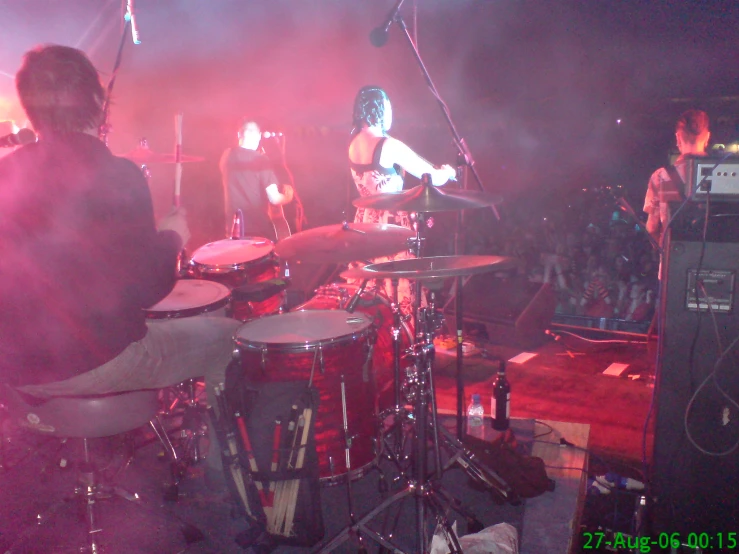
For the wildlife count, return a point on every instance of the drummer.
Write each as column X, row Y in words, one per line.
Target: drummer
column 82, row 256
column 375, row 159
column 251, row 184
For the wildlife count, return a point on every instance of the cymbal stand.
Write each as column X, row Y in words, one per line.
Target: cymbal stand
column 416, row 248
column 348, row 461
column 396, row 450
column 428, row 498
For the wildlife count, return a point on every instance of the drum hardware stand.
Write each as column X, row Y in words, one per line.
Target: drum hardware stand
column 348, row 462
column 427, row 492
column 192, row 426
column 465, row 156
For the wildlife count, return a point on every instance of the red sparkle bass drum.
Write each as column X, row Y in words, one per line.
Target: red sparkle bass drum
column 376, row 305
column 327, row 348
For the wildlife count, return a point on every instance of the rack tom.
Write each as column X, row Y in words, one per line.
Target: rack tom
column 237, row 262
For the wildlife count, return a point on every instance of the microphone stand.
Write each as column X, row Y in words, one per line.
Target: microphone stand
column 104, row 124
column 464, row 156
column 459, row 243
column 459, row 142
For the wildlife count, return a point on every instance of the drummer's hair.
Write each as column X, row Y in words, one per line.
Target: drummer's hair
column 369, row 108
column 60, row 90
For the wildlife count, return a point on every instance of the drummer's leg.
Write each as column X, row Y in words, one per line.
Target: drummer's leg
column 171, row 352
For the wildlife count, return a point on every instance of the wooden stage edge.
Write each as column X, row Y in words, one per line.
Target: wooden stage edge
column 551, row 521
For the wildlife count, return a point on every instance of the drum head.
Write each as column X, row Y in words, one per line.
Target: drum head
column 303, row 328
column 232, row 252
column 191, row 297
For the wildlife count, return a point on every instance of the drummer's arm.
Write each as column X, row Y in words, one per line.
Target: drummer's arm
column 397, row 152
column 277, row 197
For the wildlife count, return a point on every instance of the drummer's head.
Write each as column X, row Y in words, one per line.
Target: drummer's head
column 372, row 109
column 249, row 133
column 60, row 90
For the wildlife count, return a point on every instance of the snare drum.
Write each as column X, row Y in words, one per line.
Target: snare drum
column 375, row 304
column 322, row 345
column 191, row 297
column 236, row 262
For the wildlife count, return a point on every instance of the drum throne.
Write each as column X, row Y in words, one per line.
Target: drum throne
column 85, row 418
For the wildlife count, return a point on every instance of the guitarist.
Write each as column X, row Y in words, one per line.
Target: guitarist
column 251, row 184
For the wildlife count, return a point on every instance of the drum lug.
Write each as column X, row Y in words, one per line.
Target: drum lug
column 320, row 359
column 264, row 359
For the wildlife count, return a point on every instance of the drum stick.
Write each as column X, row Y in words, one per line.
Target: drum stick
column 228, row 447
column 275, row 458
column 285, row 488
column 277, row 492
column 250, row 455
column 177, row 157
column 307, row 413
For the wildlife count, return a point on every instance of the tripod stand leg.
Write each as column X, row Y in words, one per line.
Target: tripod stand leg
column 361, row 525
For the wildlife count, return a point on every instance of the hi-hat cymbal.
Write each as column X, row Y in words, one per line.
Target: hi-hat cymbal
column 344, row 243
column 426, row 198
column 143, row 155
column 431, row 267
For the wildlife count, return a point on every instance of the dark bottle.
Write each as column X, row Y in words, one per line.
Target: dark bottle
column 237, row 228
column 501, row 400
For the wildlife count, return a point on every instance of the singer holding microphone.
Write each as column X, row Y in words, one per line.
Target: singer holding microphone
column 377, row 161
column 82, row 257
column 251, row 183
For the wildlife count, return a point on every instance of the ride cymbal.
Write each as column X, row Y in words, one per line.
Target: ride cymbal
column 431, row 267
column 344, row 243
column 427, row 198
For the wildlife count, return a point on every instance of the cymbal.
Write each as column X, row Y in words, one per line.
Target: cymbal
column 431, row 267
column 143, row 155
column 427, row 198
column 344, row 243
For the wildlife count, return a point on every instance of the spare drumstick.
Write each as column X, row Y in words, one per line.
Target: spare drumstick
column 250, row 455
column 234, row 468
column 177, row 157
column 282, row 494
column 294, row 489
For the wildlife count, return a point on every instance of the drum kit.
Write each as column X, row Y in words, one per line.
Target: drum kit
column 371, row 366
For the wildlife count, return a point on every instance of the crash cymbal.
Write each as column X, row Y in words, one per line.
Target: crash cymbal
column 431, row 267
column 143, row 155
column 344, row 243
column 427, row 198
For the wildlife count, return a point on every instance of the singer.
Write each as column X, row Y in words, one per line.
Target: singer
column 251, row 183
column 71, row 213
column 377, row 161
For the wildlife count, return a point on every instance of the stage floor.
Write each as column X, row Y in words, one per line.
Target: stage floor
column 563, row 381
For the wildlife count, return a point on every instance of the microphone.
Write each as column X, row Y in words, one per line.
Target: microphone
column 24, row 136
column 355, row 299
column 379, row 35
column 270, row 134
column 131, row 16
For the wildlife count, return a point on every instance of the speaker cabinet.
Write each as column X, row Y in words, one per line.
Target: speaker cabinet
column 695, row 469
column 514, row 310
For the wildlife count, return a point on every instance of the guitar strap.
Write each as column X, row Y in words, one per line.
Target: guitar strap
column 677, row 181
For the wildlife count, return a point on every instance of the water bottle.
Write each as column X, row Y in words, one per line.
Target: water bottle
column 475, row 416
column 500, row 409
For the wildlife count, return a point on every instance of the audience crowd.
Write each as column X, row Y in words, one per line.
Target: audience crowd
column 597, row 258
